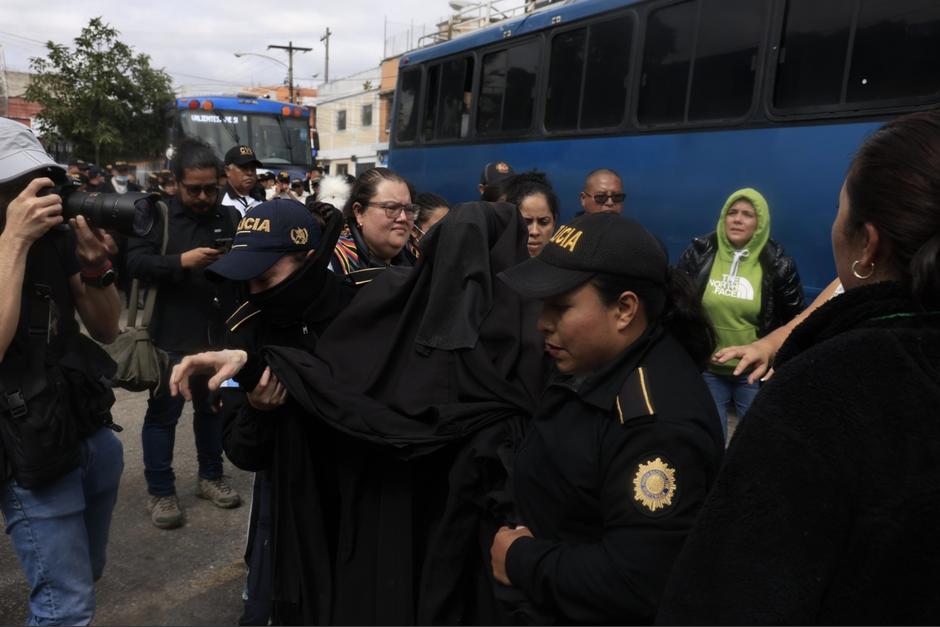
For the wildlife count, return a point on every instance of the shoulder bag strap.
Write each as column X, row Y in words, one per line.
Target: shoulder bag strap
column 152, row 292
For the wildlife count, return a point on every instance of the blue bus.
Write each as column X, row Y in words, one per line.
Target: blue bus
column 278, row 132
column 688, row 100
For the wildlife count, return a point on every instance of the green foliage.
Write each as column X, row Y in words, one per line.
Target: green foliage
column 100, row 96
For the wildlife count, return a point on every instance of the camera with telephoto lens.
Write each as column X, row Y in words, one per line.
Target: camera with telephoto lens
column 129, row 214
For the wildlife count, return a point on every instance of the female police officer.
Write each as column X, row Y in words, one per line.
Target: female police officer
column 625, row 442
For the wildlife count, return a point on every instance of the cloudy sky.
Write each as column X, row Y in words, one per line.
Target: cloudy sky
column 194, row 40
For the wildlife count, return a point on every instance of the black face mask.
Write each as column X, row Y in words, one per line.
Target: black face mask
column 288, row 300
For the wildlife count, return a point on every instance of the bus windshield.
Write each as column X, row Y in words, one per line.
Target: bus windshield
column 275, row 139
column 279, row 140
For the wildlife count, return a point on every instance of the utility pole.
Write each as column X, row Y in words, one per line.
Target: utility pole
column 326, row 66
column 291, row 49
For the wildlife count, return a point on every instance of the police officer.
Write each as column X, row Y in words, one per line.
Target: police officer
column 291, row 299
column 625, row 442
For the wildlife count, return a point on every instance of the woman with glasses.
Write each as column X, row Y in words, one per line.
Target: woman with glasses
column 380, row 216
column 533, row 195
column 748, row 287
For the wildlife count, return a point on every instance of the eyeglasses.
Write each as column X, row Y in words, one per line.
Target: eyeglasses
column 394, row 209
column 602, row 198
column 195, row 190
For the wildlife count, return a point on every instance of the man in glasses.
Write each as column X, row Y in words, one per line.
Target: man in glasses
column 187, row 319
column 603, row 191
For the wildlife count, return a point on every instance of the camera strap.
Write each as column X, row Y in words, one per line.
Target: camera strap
column 151, row 300
column 19, row 384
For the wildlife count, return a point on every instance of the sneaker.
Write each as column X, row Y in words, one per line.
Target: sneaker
column 165, row 512
column 219, row 492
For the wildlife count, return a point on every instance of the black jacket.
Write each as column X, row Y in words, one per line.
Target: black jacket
column 826, row 509
column 612, row 473
column 781, row 289
column 189, row 311
column 393, row 481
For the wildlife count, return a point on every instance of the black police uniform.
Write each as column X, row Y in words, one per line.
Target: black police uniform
column 611, row 475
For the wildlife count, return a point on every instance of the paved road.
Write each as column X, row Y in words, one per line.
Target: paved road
column 188, row 576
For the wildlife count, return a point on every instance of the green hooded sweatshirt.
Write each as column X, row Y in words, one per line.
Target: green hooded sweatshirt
column 732, row 296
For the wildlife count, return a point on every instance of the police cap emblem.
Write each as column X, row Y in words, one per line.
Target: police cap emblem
column 299, row 236
column 502, row 167
column 654, row 485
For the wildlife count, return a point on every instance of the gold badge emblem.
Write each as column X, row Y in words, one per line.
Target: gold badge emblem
column 654, row 484
column 246, row 151
column 502, row 168
column 299, row 236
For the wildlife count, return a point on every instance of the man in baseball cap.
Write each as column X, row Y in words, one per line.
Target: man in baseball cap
column 241, row 176
column 59, row 482
column 270, row 232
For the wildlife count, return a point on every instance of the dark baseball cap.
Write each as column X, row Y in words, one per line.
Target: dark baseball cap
column 495, row 172
column 595, row 243
column 241, row 155
column 283, row 177
column 21, row 152
column 266, row 233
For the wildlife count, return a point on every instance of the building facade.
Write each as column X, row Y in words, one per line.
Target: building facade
column 349, row 123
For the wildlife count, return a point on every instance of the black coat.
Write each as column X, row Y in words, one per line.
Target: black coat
column 781, row 289
column 612, row 473
column 826, row 509
column 393, row 478
column 190, row 309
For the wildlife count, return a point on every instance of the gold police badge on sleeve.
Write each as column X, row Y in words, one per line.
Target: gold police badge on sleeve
column 654, row 485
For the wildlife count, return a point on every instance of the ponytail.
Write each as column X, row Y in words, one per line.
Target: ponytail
column 925, row 272
column 684, row 317
column 674, row 305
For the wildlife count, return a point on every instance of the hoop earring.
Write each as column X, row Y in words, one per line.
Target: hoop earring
column 861, row 276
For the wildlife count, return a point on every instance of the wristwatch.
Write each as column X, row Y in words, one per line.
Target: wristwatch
column 100, row 278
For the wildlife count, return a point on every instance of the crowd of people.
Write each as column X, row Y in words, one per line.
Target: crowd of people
column 469, row 412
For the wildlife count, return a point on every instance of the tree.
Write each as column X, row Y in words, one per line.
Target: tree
column 101, row 97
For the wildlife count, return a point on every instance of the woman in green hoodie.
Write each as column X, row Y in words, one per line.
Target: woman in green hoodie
column 748, row 286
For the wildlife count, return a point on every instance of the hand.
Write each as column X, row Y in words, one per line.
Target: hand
column 268, row 394
column 200, row 257
column 93, row 246
column 222, row 365
column 501, row 543
column 756, row 356
column 29, row 216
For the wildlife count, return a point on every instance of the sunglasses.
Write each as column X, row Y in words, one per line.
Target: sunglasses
column 616, row 197
column 195, row 190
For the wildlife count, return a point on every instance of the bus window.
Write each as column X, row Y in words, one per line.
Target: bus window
column 490, row 102
column 729, row 36
column 896, row 52
column 666, row 61
column 566, row 66
column 813, row 51
column 430, row 101
column 507, row 89
column 607, row 73
column 407, row 105
column 453, row 118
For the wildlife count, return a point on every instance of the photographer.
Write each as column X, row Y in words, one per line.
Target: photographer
column 187, row 319
column 59, row 466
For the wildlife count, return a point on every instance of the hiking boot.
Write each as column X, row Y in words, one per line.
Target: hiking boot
column 165, row 512
column 219, row 492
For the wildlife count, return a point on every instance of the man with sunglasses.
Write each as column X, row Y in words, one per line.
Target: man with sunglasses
column 187, row 319
column 603, row 191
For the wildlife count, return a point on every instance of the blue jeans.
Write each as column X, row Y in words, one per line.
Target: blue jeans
column 159, row 435
column 60, row 532
column 727, row 389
